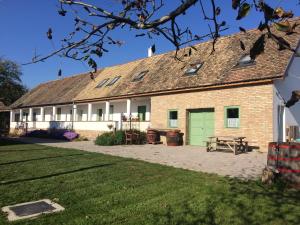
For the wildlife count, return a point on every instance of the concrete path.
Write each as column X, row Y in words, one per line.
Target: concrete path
column 246, row 165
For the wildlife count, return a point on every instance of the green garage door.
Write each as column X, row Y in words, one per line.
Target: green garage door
column 201, row 126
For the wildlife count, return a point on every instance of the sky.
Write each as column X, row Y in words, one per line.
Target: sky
column 24, row 24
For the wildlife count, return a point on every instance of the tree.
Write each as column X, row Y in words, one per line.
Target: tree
column 94, row 25
column 10, row 82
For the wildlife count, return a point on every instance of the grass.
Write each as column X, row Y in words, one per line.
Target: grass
column 100, row 189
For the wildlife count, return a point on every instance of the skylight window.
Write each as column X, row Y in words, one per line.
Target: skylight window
column 193, row 69
column 140, row 76
column 113, row 81
column 245, row 61
column 102, row 83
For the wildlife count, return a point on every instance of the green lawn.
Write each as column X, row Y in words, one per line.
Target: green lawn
column 100, row 189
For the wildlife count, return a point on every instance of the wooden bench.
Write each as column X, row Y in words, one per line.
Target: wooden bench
column 227, row 143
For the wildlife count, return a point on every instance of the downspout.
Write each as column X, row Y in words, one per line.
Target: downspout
column 72, row 126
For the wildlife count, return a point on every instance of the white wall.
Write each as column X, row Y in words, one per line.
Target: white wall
column 283, row 90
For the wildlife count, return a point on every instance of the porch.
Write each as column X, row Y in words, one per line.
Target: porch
column 92, row 116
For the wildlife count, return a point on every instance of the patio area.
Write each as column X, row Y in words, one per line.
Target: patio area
column 246, row 166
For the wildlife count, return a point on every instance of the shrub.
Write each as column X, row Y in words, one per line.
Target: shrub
column 38, row 134
column 54, row 134
column 105, row 139
column 119, row 137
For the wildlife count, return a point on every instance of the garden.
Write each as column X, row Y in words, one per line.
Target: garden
column 103, row 189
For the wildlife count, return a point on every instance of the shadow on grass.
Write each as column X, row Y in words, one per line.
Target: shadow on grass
column 9, row 141
column 25, row 150
column 28, row 140
column 42, row 158
column 242, row 203
column 55, row 174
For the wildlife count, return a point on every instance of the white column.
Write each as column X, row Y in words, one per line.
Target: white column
column 30, row 115
column 107, row 104
column 284, row 124
column 42, row 114
column 128, row 109
column 74, row 112
column 53, row 113
column 21, row 115
column 90, row 109
column 11, row 116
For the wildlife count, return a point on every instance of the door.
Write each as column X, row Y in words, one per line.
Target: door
column 201, row 126
column 142, row 112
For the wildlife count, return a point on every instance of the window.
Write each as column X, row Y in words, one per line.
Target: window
column 102, row 83
column 113, row 81
column 71, row 115
column 80, row 115
column 99, row 115
column 26, row 116
column 34, row 117
column 232, row 117
column 142, row 112
column 17, row 117
column 140, row 76
column 173, row 118
column 111, row 112
column 193, row 69
column 58, row 111
column 245, row 61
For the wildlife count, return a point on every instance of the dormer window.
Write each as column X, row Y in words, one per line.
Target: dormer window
column 245, row 61
column 140, row 76
column 193, row 69
column 102, row 83
column 113, row 81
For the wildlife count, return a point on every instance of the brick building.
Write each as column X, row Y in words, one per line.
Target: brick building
column 224, row 93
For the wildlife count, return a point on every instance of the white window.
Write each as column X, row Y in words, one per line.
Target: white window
column 173, row 119
column 232, row 117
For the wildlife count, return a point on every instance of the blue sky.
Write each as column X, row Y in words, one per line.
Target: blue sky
column 24, row 24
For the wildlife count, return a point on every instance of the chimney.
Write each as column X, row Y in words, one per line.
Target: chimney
column 151, row 51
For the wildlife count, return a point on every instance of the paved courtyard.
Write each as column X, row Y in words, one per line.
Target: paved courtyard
column 246, row 165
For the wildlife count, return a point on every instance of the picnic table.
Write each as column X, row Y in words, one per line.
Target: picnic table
column 227, row 143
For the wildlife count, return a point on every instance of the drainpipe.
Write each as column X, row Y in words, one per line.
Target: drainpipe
column 72, row 117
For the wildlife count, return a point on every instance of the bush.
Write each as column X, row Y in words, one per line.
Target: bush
column 38, row 134
column 117, row 138
column 105, row 139
column 54, row 134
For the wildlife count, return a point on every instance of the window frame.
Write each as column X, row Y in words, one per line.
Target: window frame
column 140, row 76
column 226, row 116
column 102, row 83
column 168, row 120
column 241, row 65
column 197, row 66
column 113, row 81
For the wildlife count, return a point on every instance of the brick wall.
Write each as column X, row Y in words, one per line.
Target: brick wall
column 256, row 111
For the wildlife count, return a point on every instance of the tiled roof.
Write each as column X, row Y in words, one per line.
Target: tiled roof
column 54, row 92
column 165, row 74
